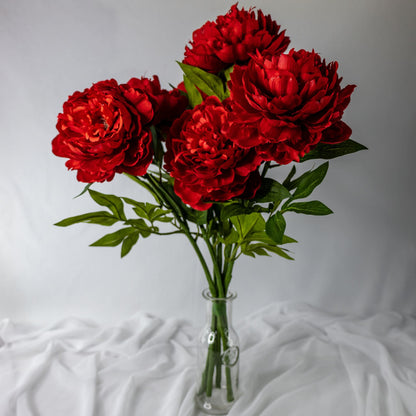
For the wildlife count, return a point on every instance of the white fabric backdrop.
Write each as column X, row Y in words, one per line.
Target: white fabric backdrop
column 361, row 259
column 295, row 361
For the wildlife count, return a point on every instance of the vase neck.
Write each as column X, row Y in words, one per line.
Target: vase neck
column 219, row 306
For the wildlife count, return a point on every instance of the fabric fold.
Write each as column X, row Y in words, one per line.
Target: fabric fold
column 295, row 360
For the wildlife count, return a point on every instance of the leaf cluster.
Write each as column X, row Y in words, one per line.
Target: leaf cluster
column 250, row 227
column 148, row 215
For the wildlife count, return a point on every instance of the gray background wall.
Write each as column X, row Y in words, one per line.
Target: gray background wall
column 359, row 260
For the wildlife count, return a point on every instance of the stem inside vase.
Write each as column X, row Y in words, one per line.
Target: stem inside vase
column 218, row 357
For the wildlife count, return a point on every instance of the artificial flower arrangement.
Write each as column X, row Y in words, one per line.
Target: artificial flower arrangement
column 205, row 149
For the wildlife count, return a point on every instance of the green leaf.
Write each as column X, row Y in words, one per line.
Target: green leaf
column 280, row 252
column 309, row 181
column 164, row 219
column 261, row 236
column 309, row 208
column 271, row 191
column 227, row 72
column 262, row 250
column 287, row 240
column 231, row 210
column 140, row 212
column 114, row 203
column 275, row 227
column 140, row 225
column 128, row 243
column 113, row 239
column 248, row 223
column 230, row 238
column 194, row 96
column 139, row 203
column 253, row 249
column 99, row 217
column 160, row 215
column 292, row 173
column 208, row 83
column 88, row 186
column 149, row 211
column 331, row 151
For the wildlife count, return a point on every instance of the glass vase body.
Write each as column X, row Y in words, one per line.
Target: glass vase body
column 218, row 354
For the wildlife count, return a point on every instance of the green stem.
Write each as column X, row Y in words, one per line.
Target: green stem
column 217, row 271
column 221, row 310
column 229, row 265
column 219, row 258
column 211, row 358
column 218, row 364
column 171, row 204
column 168, row 233
column 206, row 386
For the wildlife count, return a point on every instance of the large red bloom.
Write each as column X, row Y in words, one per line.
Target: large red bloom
column 284, row 105
column 232, row 38
column 105, row 129
column 206, row 165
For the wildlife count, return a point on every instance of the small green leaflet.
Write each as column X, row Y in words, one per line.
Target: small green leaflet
column 114, row 203
column 148, row 211
column 309, row 208
column 309, row 181
column 248, row 223
column 233, row 209
column 140, row 225
column 271, row 191
column 128, row 243
column 331, row 151
column 114, row 239
column 275, row 227
column 286, row 182
column 227, row 72
column 99, row 217
column 208, row 83
column 88, row 186
column 194, row 96
column 262, row 250
column 127, row 237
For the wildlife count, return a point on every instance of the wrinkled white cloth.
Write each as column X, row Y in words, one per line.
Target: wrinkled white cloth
column 295, row 361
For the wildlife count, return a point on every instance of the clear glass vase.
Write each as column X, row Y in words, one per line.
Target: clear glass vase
column 218, row 356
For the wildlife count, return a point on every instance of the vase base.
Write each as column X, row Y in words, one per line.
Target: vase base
column 216, row 404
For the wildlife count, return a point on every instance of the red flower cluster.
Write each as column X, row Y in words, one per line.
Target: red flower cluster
column 283, row 105
column 206, row 165
column 232, row 38
column 105, row 129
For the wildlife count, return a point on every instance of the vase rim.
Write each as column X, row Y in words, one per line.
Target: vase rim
column 207, row 295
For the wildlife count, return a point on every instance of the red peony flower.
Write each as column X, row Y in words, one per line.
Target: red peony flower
column 232, row 38
column 102, row 132
column 284, row 105
column 206, row 165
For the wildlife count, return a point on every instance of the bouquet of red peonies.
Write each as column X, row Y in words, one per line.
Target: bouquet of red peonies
column 205, row 151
